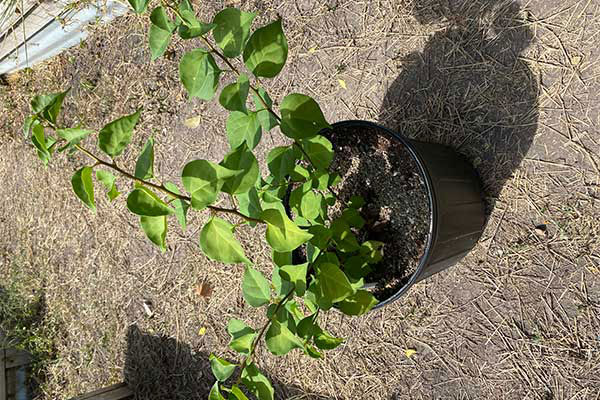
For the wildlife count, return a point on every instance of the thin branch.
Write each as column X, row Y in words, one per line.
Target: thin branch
column 162, row 188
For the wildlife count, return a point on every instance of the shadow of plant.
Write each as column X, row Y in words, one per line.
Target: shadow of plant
column 468, row 89
column 159, row 367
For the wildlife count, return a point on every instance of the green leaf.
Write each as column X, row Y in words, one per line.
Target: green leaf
column 239, row 395
column 359, row 303
column 356, row 267
column 221, row 369
column 282, row 258
column 144, row 167
column 139, row 6
column 306, row 327
column 265, row 117
column 343, row 236
column 180, row 206
column 158, row 40
column 282, row 234
column 249, row 204
column 266, row 51
column 155, row 229
column 325, row 341
column 331, row 283
column 371, row 250
column 241, row 336
column 218, row 242
column 116, row 135
column 73, row 135
column 240, row 159
column 281, row 162
column 312, row 352
column 84, row 187
column 232, row 30
column 257, row 383
column 160, row 33
column 199, row 74
column 38, row 138
column 356, row 202
column 233, row 96
column 108, row 180
column 203, row 180
column 242, row 127
column 28, row 124
column 192, row 27
column 160, row 18
column 301, row 117
column 296, row 274
column 319, row 150
column 353, row 218
column 142, row 201
column 282, row 287
column 48, row 106
column 255, row 288
column 321, row 236
column 215, row 394
column 280, row 340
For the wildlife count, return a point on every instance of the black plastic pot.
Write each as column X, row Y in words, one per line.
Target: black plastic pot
column 457, row 213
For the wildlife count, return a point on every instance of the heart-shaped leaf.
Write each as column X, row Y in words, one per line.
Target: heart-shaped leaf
column 243, row 127
column 319, row 151
column 221, row 369
column 282, row 234
column 296, row 274
column 242, row 336
column 203, row 180
column 144, row 167
column 218, row 242
column 331, row 283
column 233, row 96
column 255, row 288
column 232, row 30
column 301, row 117
column 199, row 74
column 266, row 51
column 257, row 383
column 280, row 340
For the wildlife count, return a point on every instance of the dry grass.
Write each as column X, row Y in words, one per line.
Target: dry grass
column 512, row 86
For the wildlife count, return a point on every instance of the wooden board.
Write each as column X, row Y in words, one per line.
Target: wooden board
column 3, row 387
column 120, row 391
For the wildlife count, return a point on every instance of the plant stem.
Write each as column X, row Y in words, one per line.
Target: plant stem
column 161, row 187
column 262, row 331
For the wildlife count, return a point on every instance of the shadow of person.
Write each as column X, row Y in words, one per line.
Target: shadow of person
column 468, row 89
column 159, row 367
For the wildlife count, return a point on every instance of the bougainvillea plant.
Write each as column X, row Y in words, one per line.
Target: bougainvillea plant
column 292, row 201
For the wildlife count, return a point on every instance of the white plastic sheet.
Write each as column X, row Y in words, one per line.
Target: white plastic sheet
column 47, row 36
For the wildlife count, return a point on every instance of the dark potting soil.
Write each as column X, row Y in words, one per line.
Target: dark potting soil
column 381, row 170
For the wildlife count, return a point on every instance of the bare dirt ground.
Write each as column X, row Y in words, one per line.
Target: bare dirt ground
column 512, row 85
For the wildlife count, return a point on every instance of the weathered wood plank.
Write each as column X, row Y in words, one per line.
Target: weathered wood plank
column 17, row 359
column 3, row 387
column 120, row 391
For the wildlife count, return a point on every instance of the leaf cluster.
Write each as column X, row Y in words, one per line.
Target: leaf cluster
column 292, row 199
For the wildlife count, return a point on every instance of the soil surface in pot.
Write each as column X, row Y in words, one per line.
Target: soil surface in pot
column 381, row 170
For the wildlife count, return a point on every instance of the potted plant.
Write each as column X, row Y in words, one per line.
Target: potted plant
column 334, row 236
